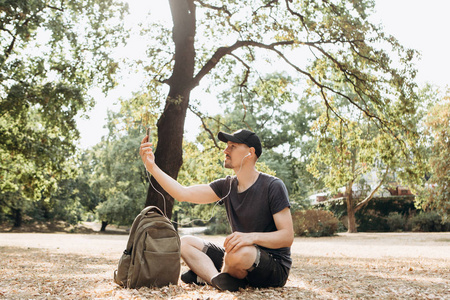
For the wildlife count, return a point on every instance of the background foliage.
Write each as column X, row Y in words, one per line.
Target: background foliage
column 352, row 108
column 51, row 53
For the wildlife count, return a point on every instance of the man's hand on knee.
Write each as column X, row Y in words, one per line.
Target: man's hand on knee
column 236, row 240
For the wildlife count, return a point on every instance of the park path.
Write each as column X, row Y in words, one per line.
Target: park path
column 362, row 245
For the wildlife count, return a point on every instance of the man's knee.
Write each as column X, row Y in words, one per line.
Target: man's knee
column 190, row 243
column 242, row 259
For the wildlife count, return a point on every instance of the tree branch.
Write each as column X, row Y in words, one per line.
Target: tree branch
column 217, row 8
column 202, row 119
column 10, row 48
column 324, row 87
column 347, row 73
column 221, row 9
column 222, row 51
column 247, row 70
column 301, row 17
column 269, row 4
column 245, row 108
column 56, row 8
column 368, row 198
column 8, row 51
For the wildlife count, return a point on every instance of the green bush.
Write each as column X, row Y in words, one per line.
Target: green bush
column 428, row 222
column 396, row 221
column 218, row 224
column 371, row 221
column 314, row 223
column 374, row 216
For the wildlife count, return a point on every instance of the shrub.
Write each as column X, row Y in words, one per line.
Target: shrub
column 219, row 224
column 396, row 221
column 371, row 220
column 374, row 215
column 315, row 223
column 428, row 222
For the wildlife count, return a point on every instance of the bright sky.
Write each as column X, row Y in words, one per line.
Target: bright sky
column 417, row 24
column 424, row 26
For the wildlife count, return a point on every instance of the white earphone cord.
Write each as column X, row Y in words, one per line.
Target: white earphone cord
column 217, row 202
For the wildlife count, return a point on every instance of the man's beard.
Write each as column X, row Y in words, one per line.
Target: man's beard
column 227, row 163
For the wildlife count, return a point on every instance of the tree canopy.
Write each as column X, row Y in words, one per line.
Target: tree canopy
column 353, row 153
column 117, row 175
column 326, row 43
column 437, row 189
column 51, row 53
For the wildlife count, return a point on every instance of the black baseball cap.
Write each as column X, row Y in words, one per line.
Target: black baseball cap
column 243, row 136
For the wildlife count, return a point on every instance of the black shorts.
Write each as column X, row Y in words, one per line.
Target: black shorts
column 268, row 273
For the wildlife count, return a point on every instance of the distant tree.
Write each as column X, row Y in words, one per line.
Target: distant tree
column 350, row 149
column 51, row 53
column 438, row 186
column 117, row 175
column 69, row 203
column 224, row 40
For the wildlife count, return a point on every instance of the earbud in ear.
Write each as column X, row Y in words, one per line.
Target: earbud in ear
column 248, row 154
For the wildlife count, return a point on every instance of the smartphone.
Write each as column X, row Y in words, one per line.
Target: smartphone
column 149, row 131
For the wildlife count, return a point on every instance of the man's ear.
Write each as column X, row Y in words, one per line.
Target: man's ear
column 251, row 151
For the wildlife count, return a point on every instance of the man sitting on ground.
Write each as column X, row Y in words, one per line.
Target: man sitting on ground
column 257, row 253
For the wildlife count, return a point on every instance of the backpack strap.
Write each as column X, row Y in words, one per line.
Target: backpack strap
column 151, row 208
column 132, row 232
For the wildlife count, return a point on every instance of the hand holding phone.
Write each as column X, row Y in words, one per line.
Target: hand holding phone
column 145, row 150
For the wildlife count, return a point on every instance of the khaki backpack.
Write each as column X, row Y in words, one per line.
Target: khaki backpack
column 152, row 256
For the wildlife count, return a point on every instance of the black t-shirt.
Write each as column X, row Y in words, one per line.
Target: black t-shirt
column 253, row 209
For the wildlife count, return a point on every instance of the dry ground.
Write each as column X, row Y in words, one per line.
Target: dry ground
column 363, row 265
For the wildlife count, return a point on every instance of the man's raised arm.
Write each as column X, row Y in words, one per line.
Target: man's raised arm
column 201, row 193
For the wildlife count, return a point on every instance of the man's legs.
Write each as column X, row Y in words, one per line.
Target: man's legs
column 197, row 260
column 205, row 259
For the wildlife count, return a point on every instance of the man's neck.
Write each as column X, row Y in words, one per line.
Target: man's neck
column 246, row 178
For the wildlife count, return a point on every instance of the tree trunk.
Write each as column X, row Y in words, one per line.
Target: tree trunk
column 351, row 209
column 17, row 215
column 351, row 216
column 104, row 224
column 169, row 152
